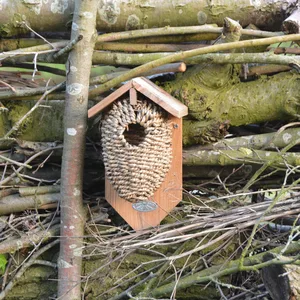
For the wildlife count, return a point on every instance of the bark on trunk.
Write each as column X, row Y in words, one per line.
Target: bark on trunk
column 120, row 15
column 215, row 94
column 75, row 123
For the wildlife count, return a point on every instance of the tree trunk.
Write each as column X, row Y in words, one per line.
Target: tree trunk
column 75, row 123
column 215, row 94
column 54, row 16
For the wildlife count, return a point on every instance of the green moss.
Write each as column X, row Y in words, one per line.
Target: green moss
column 216, row 93
column 199, row 87
column 113, row 271
column 203, row 132
column 199, row 292
column 44, row 124
column 133, row 22
column 5, row 30
column 174, row 216
column 41, row 290
column 35, row 284
column 4, row 123
column 38, row 273
column 13, row 27
column 16, row 112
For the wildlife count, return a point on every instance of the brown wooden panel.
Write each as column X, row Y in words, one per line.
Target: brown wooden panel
column 109, row 99
column 167, row 196
column 160, row 97
column 149, row 89
column 133, row 96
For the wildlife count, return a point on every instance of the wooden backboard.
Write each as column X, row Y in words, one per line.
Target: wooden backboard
column 166, row 197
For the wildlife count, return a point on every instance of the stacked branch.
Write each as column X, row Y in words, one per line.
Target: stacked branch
column 217, row 218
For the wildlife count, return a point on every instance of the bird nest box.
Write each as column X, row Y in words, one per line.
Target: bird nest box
column 141, row 137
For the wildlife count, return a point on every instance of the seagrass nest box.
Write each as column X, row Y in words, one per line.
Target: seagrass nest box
column 141, row 136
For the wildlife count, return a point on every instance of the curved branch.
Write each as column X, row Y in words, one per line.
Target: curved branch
column 183, row 55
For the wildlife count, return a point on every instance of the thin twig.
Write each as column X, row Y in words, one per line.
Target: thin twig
column 68, row 48
column 46, row 263
column 6, row 180
column 6, row 273
column 250, row 239
column 15, row 162
column 40, row 36
column 186, row 54
column 8, row 85
column 165, row 31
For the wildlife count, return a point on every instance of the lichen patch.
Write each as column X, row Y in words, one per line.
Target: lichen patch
column 109, row 11
column 34, row 5
column 74, row 88
column 87, row 14
column 76, row 192
column 286, row 138
column 202, row 17
column 132, row 23
column 72, row 68
column 71, row 131
column 59, row 6
column 75, row 26
column 77, row 252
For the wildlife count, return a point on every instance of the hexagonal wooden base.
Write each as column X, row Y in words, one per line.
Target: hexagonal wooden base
column 167, row 196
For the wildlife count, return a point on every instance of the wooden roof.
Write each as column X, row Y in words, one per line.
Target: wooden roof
column 150, row 90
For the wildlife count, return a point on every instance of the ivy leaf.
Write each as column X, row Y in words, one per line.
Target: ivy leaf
column 3, row 262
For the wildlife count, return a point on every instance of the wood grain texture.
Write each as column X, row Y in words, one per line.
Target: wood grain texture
column 150, row 90
column 109, row 99
column 133, row 96
column 167, row 196
column 160, row 97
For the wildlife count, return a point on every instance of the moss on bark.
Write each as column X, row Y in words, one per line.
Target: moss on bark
column 216, row 93
column 215, row 96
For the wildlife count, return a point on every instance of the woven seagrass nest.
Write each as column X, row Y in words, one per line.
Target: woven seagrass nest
column 137, row 150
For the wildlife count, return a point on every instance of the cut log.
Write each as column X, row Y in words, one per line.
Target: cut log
column 127, row 15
